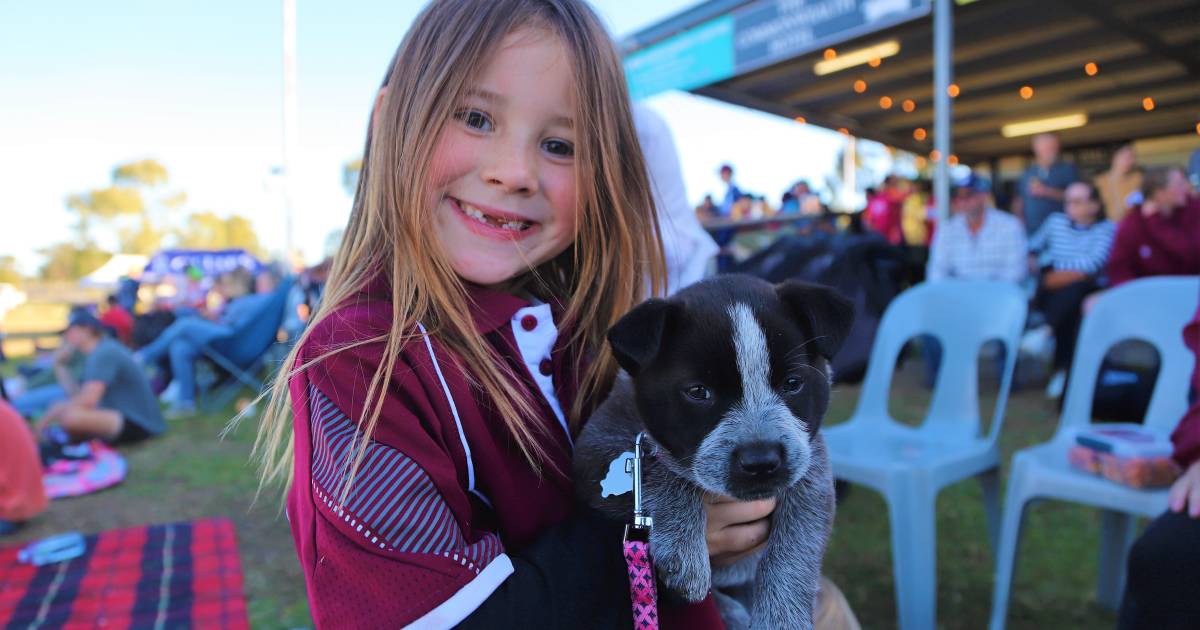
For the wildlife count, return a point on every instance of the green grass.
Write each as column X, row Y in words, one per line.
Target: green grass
column 189, row 473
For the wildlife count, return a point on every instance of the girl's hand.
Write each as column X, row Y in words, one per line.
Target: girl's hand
column 1185, row 492
column 737, row 529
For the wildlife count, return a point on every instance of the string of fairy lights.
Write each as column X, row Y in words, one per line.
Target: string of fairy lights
column 873, row 56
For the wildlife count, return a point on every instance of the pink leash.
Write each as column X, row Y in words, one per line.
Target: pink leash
column 642, row 589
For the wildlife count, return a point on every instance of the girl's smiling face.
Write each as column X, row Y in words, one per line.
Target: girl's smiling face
column 503, row 171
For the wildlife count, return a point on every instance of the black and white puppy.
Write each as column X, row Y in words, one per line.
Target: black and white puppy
column 730, row 380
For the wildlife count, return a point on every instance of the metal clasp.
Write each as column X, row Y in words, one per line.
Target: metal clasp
column 642, row 522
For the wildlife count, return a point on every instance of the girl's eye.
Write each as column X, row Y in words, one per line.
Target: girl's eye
column 475, row 119
column 560, row 148
column 792, row 385
column 698, row 393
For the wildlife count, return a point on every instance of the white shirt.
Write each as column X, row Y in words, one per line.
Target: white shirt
column 996, row 252
column 687, row 246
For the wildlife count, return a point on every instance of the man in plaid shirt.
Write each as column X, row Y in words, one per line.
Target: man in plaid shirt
column 978, row 242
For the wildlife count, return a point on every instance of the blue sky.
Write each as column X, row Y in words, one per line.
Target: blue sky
column 196, row 85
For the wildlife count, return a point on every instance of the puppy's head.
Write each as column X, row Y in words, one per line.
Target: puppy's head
column 732, row 377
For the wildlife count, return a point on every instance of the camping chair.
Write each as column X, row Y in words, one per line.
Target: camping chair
column 240, row 355
column 1153, row 310
column 910, row 465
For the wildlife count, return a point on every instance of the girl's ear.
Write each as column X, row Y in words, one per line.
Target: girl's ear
column 637, row 337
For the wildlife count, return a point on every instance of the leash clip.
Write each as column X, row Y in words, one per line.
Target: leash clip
column 642, row 522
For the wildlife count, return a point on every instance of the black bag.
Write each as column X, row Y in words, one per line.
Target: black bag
column 147, row 328
column 1125, row 383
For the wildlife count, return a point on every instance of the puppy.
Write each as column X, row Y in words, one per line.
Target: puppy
column 730, row 380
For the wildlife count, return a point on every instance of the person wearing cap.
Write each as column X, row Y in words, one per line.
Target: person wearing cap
column 112, row 400
column 979, row 242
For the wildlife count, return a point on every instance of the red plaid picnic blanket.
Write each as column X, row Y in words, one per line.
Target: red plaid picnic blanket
column 181, row 575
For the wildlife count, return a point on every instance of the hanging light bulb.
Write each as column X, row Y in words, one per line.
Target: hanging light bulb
column 1026, row 92
column 908, row 105
column 885, row 102
column 830, row 54
column 1148, row 104
column 860, row 86
column 953, row 90
column 802, row 120
column 919, row 134
column 952, row 160
column 1091, row 68
column 935, row 155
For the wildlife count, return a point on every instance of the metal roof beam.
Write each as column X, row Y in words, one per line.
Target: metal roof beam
column 1133, row 31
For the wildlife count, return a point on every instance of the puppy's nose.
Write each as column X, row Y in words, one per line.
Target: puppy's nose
column 759, row 459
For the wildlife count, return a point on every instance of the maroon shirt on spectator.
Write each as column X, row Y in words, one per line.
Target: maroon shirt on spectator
column 1187, row 435
column 1156, row 245
column 446, row 522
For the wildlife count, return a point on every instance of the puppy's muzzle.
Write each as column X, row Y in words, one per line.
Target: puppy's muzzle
column 758, row 467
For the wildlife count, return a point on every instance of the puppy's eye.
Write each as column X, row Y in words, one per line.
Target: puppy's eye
column 698, row 393
column 792, row 385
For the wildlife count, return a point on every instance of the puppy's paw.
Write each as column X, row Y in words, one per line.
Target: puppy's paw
column 685, row 569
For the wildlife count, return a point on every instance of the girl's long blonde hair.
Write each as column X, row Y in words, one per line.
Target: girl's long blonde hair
column 617, row 248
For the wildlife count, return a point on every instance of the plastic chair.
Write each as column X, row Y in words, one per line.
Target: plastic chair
column 1154, row 310
column 908, row 465
column 241, row 354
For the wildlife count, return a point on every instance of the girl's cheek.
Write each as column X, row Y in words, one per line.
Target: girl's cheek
column 450, row 158
column 563, row 197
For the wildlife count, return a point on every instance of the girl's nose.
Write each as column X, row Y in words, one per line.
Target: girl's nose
column 512, row 169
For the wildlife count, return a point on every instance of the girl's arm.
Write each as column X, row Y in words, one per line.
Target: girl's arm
column 405, row 545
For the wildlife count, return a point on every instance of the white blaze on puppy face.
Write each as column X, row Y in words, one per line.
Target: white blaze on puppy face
column 759, row 416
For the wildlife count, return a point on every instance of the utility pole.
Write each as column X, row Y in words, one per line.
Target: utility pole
column 290, row 126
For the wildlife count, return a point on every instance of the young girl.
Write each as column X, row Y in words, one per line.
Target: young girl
column 503, row 221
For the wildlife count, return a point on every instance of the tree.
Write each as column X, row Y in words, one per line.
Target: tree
column 206, row 230
column 136, row 206
column 10, row 272
column 68, row 261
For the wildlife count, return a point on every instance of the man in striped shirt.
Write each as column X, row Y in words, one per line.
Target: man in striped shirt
column 1072, row 249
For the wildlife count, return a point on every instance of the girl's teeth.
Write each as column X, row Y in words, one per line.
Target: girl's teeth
column 478, row 215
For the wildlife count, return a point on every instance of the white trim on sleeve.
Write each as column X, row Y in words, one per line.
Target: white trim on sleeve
column 468, row 598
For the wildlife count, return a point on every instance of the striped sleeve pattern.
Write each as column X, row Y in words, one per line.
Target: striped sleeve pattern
column 1069, row 247
column 393, row 504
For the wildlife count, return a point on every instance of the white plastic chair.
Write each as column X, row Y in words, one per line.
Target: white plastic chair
column 1154, row 310
column 908, row 465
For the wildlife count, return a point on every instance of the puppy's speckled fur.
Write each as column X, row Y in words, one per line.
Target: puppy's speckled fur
column 745, row 344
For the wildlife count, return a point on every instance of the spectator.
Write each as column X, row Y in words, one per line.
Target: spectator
column 1074, row 247
column 1193, row 170
column 884, row 210
column 113, row 401
column 22, row 495
column 182, row 340
column 1162, row 235
column 732, row 192
column 978, row 242
column 1161, row 590
column 800, row 200
column 1040, row 192
column 1120, row 181
column 118, row 320
column 48, row 386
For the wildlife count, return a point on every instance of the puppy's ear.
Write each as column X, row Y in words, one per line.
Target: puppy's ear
column 821, row 311
column 637, row 337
